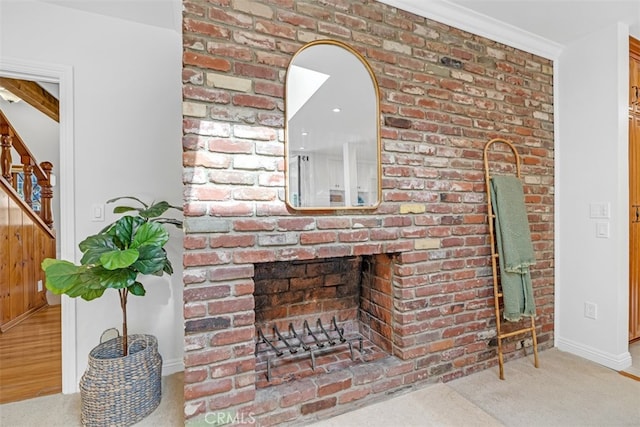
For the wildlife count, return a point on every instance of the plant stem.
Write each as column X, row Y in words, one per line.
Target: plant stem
column 123, row 304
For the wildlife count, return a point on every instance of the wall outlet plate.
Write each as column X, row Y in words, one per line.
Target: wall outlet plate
column 590, row 310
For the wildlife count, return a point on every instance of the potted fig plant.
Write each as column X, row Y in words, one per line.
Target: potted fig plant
column 116, row 258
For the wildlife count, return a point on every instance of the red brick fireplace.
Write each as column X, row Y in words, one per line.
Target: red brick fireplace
column 340, row 308
column 412, row 278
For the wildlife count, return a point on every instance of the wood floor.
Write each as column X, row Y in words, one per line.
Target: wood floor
column 30, row 357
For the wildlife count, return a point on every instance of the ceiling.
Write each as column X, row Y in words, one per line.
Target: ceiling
column 558, row 21
column 158, row 13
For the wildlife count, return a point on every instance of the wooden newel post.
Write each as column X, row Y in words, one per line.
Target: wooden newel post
column 46, row 194
column 5, row 157
column 27, row 184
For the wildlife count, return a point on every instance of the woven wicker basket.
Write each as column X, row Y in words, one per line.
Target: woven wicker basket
column 120, row 391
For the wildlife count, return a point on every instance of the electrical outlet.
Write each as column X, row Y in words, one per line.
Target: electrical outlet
column 40, row 288
column 590, row 310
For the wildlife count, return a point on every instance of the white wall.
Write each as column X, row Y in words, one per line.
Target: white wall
column 634, row 30
column 592, row 167
column 127, row 139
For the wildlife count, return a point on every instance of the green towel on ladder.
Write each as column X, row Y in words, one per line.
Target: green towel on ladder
column 515, row 250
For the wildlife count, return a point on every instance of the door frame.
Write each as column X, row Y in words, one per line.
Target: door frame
column 63, row 76
column 634, row 51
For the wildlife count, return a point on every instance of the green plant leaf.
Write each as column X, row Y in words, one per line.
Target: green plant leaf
column 116, row 259
column 93, row 294
column 150, row 233
column 94, row 246
column 123, row 209
column 168, row 268
column 155, row 210
column 137, row 289
column 47, row 262
column 149, row 212
column 117, row 279
column 127, row 197
column 151, row 259
column 64, row 277
column 125, row 229
column 171, row 221
column 61, row 275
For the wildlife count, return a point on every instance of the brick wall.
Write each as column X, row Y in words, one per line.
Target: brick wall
column 444, row 94
column 376, row 301
column 292, row 292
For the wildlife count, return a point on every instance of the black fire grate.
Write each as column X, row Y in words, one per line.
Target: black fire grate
column 309, row 340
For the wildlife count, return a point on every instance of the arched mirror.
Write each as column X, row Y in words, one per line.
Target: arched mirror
column 332, row 129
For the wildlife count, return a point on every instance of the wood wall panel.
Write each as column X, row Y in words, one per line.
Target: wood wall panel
column 28, row 267
column 5, row 302
column 16, row 280
column 43, row 250
column 24, row 243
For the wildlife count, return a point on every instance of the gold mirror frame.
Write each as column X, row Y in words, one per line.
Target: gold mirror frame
column 300, row 96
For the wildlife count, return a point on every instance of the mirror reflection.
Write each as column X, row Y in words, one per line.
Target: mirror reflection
column 332, row 141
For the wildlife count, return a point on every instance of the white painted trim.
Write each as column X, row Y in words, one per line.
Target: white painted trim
column 620, row 215
column 617, row 362
column 63, row 75
column 557, row 156
column 479, row 24
column 172, row 366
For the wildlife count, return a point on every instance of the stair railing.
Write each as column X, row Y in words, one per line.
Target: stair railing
column 9, row 139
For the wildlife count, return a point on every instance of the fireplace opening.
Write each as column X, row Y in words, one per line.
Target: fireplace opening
column 322, row 315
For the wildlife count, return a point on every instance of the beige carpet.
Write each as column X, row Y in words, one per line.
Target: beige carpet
column 436, row 405
column 565, row 391
column 63, row 410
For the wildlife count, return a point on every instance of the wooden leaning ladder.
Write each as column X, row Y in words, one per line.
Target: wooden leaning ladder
column 497, row 294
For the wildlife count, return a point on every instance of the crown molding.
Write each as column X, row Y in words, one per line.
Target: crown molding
column 479, row 24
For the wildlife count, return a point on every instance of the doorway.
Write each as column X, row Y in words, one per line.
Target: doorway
column 30, row 348
column 62, row 76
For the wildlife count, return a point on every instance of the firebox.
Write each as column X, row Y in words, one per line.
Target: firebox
column 320, row 316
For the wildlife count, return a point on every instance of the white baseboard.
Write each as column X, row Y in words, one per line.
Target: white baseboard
column 172, row 366
column 617, row 362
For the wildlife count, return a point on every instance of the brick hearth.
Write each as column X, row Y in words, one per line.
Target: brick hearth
column 424, row 303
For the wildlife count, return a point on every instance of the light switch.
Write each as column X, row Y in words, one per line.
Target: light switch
column 599, row 210
column 602, row 230
column 97, row 212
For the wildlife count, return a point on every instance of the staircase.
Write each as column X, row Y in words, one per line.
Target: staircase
column 26, row 234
